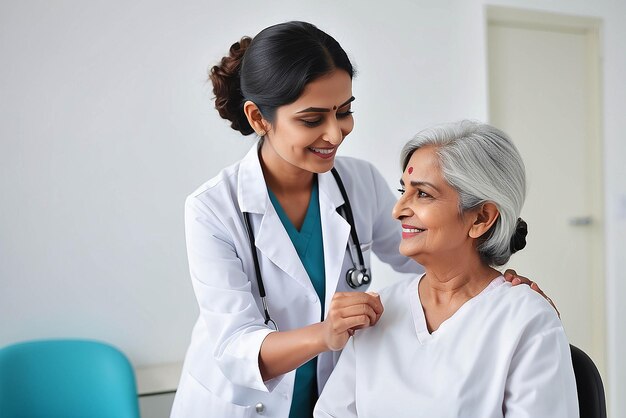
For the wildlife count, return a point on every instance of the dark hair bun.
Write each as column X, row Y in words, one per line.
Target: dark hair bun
column 227, row 87
column 518, row 240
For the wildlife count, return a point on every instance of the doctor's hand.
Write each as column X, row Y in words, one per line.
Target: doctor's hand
column 348, row 312
column 511, row 275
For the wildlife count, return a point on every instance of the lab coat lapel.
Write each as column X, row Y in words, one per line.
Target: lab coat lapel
column 335, row 232
column 274, row 243
column 271, row 238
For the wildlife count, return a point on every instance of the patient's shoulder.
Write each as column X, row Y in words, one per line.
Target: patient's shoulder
column 523, row 308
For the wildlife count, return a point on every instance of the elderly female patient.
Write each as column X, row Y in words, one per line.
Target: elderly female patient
column 457, row 341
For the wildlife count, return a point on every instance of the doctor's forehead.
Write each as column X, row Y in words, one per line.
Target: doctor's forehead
column 328, row 91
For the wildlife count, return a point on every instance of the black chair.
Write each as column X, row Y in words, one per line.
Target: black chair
column 591, row 401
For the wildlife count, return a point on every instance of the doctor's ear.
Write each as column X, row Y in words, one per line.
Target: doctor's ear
column 484, row 218
column 255, row 118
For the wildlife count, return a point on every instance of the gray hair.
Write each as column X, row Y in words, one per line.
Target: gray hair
column 483, row 165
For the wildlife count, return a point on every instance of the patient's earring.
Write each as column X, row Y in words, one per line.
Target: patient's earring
column 261, row 133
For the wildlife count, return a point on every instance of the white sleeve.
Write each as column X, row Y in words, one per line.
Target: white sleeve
column 224, row 296
column 338, row 398
column 541, row 381
column 387, row 232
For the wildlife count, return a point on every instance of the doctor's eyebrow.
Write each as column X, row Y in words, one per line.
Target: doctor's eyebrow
column 419, row 183
column 324, row 109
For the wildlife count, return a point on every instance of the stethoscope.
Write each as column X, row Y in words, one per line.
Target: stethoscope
column 356, row 277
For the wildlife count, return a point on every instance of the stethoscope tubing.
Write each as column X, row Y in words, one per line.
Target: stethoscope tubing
column 257, row 271
column 350, row 218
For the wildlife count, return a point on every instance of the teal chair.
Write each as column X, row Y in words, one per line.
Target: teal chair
column 66, row 378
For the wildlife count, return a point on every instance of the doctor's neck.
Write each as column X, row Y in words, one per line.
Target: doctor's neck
column 281, row 176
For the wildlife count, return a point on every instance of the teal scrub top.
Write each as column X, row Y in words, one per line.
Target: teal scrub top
column 310, row 248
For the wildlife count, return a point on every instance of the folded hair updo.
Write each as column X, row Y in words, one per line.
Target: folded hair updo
column 226, row 87
column 518, row 240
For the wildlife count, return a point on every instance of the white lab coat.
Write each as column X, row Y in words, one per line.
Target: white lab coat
column 502, row 354
column 220, row 376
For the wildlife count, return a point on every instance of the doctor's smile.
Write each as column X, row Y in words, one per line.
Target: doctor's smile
column 323, row 152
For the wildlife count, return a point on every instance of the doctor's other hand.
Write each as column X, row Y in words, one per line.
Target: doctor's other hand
column 348, row 312
column 511, row 275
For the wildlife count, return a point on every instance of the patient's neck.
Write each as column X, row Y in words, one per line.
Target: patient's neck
column 448, row 284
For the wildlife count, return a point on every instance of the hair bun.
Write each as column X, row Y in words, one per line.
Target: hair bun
column 227, row 87
column 518, row 240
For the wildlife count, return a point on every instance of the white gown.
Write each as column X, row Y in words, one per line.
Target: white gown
column 502, row 354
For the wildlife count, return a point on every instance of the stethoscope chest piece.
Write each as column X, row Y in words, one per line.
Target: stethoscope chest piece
column 357, row 278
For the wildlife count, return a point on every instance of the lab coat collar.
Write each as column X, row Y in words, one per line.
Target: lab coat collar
column 251, row 188
column 329, row 190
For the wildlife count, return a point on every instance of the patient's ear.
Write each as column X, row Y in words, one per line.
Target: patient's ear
column 484, row 218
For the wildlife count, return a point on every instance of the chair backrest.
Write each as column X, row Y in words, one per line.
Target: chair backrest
column 591, row 400
column 66, row 378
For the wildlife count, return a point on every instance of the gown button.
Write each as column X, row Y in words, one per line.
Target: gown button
column 260, row 408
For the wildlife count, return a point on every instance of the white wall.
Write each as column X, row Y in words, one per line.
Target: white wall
column 106, row 124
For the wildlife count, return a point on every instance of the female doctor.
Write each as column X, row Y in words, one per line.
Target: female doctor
column 278, row 243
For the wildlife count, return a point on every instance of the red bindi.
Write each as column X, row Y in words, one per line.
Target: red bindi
column 410, row 170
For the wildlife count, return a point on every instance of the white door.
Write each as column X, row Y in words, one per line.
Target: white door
column 543, row 82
